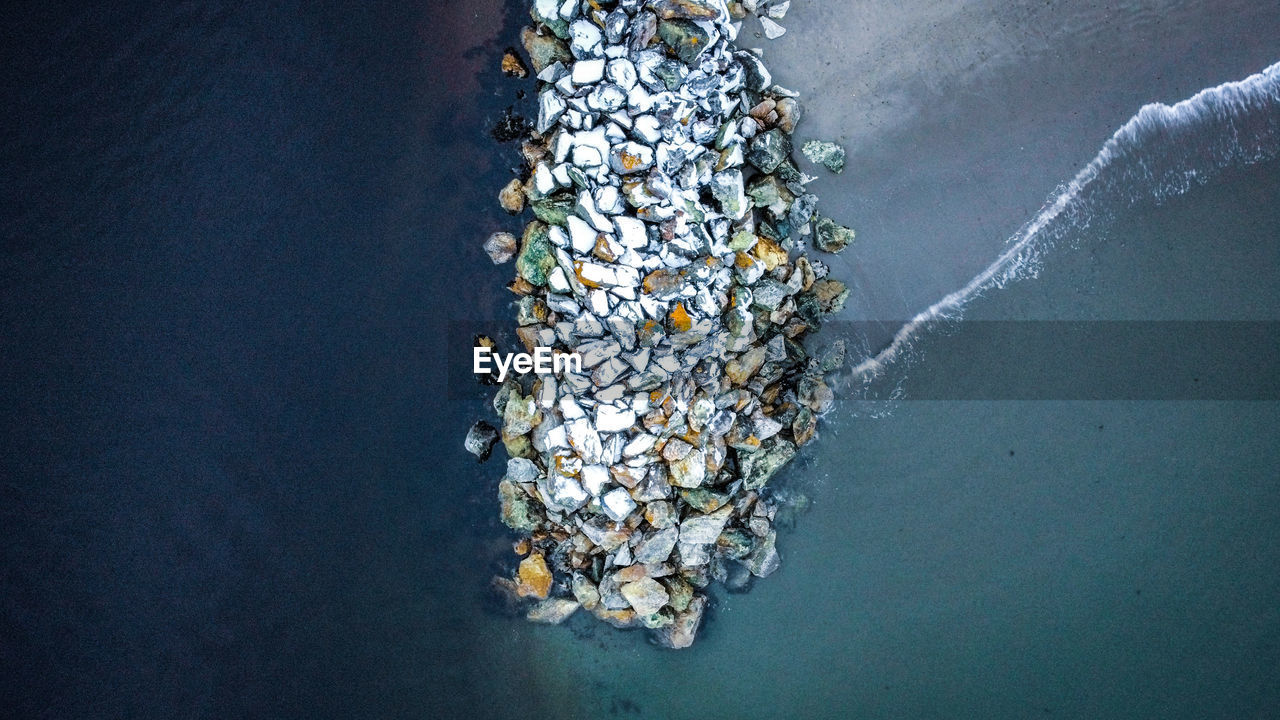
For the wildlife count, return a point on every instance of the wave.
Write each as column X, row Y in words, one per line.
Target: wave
column 1162, row 151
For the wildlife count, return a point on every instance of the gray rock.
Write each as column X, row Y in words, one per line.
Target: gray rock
column 686, row 38
column 830, row 236
column 764, row 560
column 758, row 467
column 700, row 529
column 553, row 611
column 681, row 633
column 657, row 547
column 827, row 154
column 768, row 150
column 481, row 439
column 646, row 596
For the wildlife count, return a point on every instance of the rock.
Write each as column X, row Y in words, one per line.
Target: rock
column 645, row 595
column 481, row 439
column 631, row 157
column 512, row 197
column 743, row 367
column 804, row 426
column 501, row 247
column 789, row 114
column 689, row 9
column 764, row 560
column 827, row 154
column 617, row 504
column 757, row 76
column 657, row 547
column 690, row 470
column 680, row 634
column 553, row 611
column 544, row 49
column 660, row 514
column 726, row 188
column 768, row 150
column 585, row 591
column 534, row 577
column 703, row 500
column 537, row 257
column 517, row 509
column 772, row 30
column 700, row 529
column 829, row 236
column 611, row 419
column 685, row 38
column 555, row 209
column 758, row 467
column 512, row 65
column 830, row 295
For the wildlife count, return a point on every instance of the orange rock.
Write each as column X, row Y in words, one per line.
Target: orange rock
column 513, row 66
column 577, row 270
column 770, row 253
column 680, row 320
column 535, row 577
column 631, row 573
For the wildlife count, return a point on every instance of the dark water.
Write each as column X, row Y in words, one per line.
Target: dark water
column 235, row 240
column 233, row 237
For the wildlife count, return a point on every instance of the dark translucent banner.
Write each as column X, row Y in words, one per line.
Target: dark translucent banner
column 1079, row 360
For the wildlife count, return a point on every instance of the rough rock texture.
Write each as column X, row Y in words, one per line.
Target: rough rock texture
column 668, row 254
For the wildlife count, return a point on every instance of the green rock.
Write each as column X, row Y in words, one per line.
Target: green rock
column 758, row 467
column 735, row 543
column 832, row 357
column 804, row 426
column 679, row 591
column 544, row 50
column 764, row 560
column 830, row 236
column 828, row 154
column 517, row 509
column 555, row 23
column 537, row 256
column 555, row 209
column 769, row 192
column 695, row 9
column 671, row 73
column 769, row 150
column 831, row 295
column 704, row 500
column 685, row 38
column 742, row 241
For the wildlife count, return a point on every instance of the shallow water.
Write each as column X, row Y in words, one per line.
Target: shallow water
column 233, row 480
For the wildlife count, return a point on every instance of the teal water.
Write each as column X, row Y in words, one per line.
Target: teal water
column 233, row 483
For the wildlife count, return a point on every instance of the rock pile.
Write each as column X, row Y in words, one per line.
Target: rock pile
column 667, row 253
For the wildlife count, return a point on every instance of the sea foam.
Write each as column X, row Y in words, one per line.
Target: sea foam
column 1162, row 151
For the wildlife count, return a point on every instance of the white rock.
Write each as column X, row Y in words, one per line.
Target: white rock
column 640, row 445
column 631, row 232
column 617, row 504
column 587, row 72
column 772, row 30
column 622, row 72
column 557, row 281
column 586, row 39
column 611, row 419
column 581, row 235
column 648, row 129
column 584, row 439
column 595, row 478
column 550, row 107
